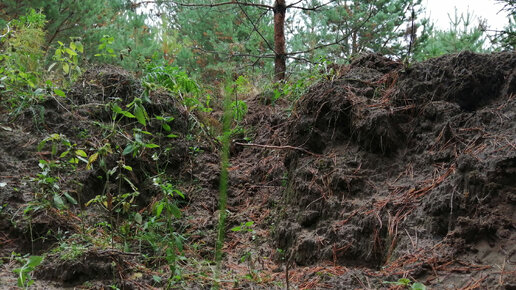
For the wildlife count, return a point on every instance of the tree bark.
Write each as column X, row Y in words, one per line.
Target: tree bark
column 280, row 59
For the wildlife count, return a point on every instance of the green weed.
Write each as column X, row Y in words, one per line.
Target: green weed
column 24, row 272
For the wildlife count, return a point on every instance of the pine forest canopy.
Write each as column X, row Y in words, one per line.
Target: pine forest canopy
column 212, row 37
column 302, row 31
column 89, row 20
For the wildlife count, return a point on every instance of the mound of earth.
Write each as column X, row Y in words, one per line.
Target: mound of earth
column 378, row 172
column 413, row 172
column 43, row 208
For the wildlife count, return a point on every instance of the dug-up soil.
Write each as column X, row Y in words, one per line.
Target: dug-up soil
column 380, row 171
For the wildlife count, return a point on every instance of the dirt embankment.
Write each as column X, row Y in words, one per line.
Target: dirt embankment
column 416, row 172
column 398, row 172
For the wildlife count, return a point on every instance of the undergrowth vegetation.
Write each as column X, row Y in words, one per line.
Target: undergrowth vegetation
column 117, row 217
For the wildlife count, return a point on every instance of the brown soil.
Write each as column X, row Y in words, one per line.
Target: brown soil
column 378, row 172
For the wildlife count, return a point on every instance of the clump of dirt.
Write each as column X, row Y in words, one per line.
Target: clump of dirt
column 108, row 266
column 468, row 79
column 103, row 84
column 410, row 163
column 323, row 116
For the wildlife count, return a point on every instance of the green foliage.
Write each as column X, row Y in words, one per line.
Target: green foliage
column 165, row 122
column 236, row 89
column 354, row 27
column 178, row 83
column 244, row 227
column 462, row 35
column 24, row 277
column 159, row 229
column 93, row 19
column 408, row 284
column 174, row 79
column 122, row 202
column 239, row 109
column 22, row 64
column 210, row 41
column 21, row 53
column 48, row 179
column 139, row 111
column 67, row 60
column 105, row 47
column 223, row 184
column 137, row 146
column 70, row 251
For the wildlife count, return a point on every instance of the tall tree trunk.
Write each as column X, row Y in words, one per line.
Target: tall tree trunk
column 280, row 59
column 354, row 35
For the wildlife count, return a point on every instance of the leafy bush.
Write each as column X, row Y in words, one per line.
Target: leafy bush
column 21, row 53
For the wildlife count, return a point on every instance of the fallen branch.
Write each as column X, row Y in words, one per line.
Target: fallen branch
column 287, row 147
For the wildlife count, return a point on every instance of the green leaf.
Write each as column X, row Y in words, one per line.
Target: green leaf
column 64, row 154
column 54, row 149
column 159, row 209
column 418, row 286
column 116, row 109
column 138, row 218
column 59, row 93
column 128, row 114
column 80, row 47
column 128, row 149
column 236, row 229
column 175, row 211
column 127, row 167
column 166, row 127
column 151, row 145
column 66, row 67
column 70, row 199
column 81, row 153
column 92, row 159
column 139, row 112
column 178, row 192
column 42, row 144
column 172, row 136
column 34, row 261
column 70, row 52
column 58, row 202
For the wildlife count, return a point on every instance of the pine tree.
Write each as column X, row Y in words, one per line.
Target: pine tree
column 91, row 20
column 334, row 29
column 214, row 40
column 506, row 39
column 462, row 35
column 348, row 28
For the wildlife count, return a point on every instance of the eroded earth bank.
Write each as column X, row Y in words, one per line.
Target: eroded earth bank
column 380, row 171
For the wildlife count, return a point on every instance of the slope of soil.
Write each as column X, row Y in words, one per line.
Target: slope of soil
column 378, row 172
column 416, row 172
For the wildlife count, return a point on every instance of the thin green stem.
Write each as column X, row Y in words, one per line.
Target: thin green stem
column 223, row 188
